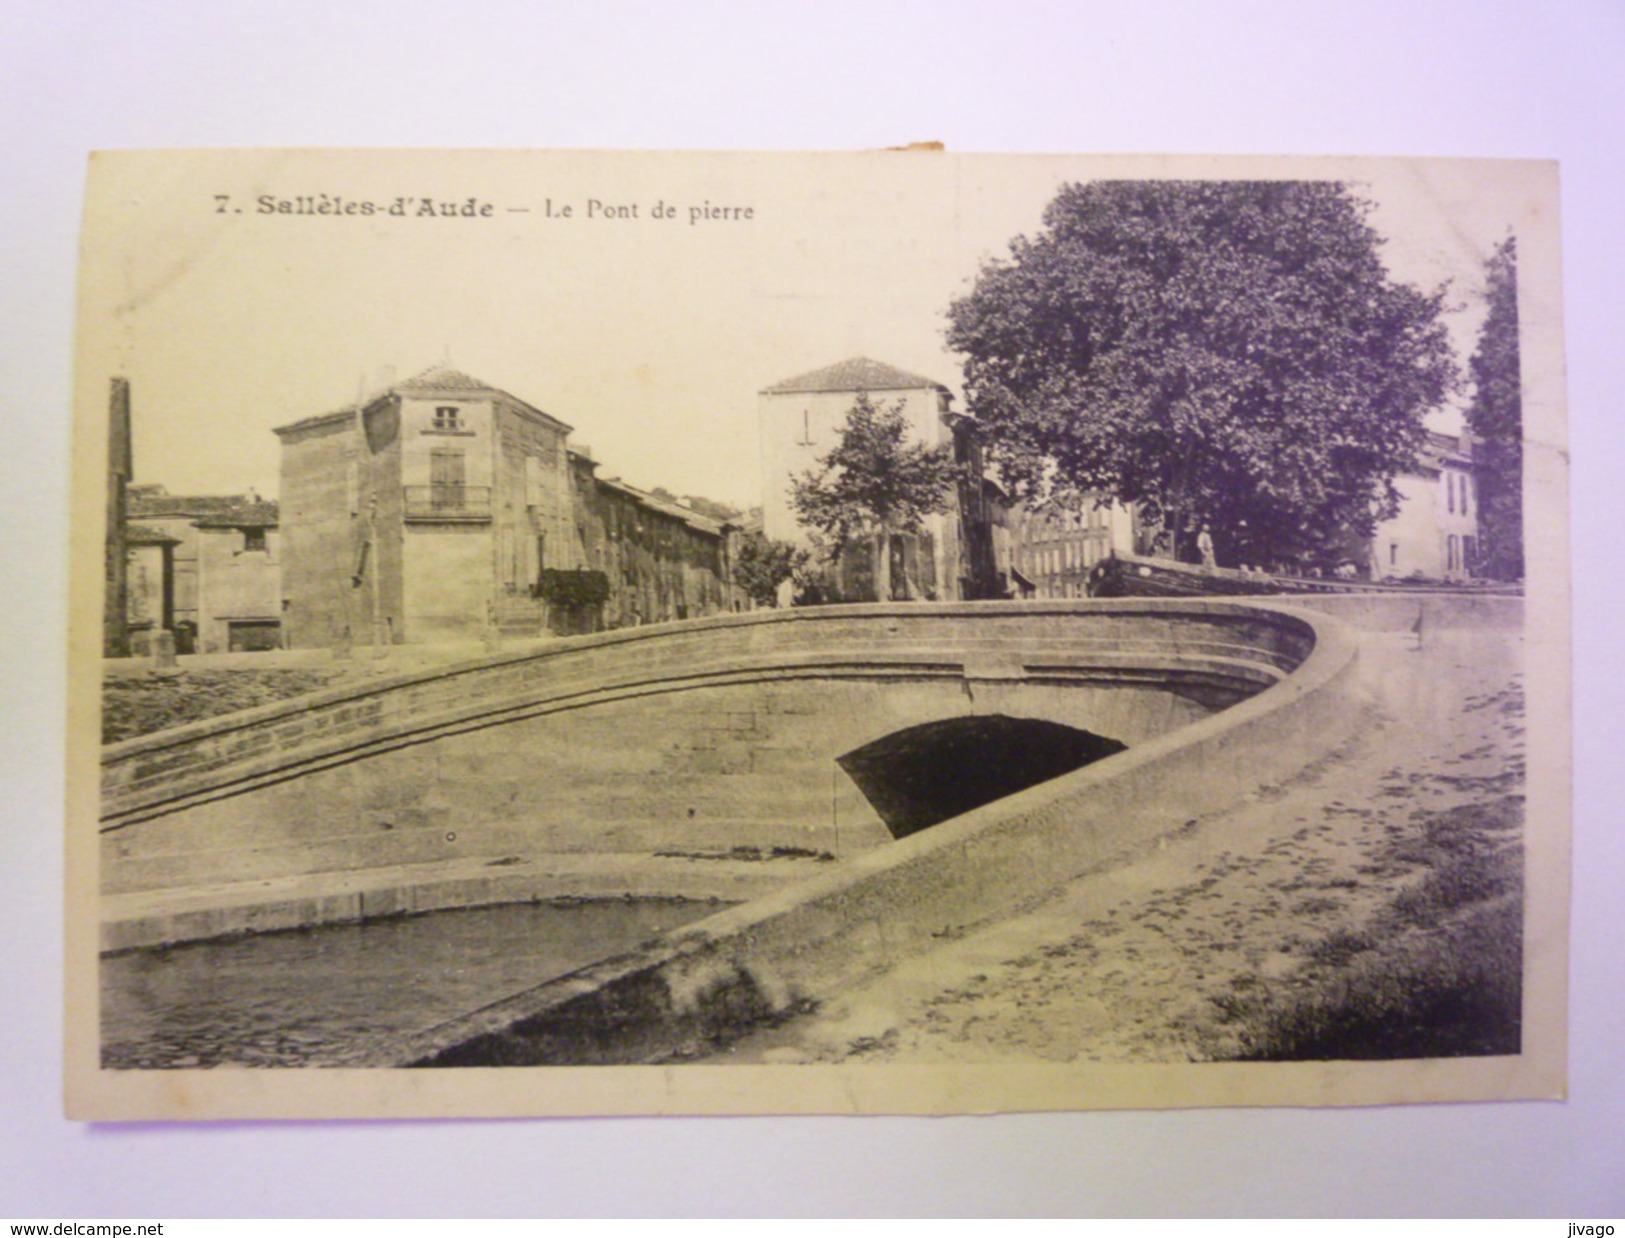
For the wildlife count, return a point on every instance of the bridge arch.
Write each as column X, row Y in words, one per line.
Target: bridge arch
column 925, row 774
column 685, row 740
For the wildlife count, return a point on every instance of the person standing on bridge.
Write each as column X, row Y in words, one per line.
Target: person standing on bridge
column 1204, row 543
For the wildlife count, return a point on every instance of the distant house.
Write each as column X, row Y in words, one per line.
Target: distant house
column 1435, row 533
column 661, row 559
column 801, row 419
column 206, row 567
column 442, row 508
column 1052, row 551
column 239, row 579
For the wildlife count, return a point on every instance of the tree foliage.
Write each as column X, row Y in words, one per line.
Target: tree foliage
column 578, row 587
column 764, row 564
column 1230, row 352
column 1496, row 416
column 873, row 484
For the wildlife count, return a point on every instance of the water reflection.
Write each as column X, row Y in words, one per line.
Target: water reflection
column 314, row 996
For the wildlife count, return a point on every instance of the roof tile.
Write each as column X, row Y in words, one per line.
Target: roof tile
column 260, row 515
column 854, row 374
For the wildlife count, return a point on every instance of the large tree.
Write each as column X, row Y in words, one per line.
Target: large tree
column 873, row 485
column 1224, row 352
column 1496, row 416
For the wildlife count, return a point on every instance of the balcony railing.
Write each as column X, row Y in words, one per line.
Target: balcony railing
column 448, row 503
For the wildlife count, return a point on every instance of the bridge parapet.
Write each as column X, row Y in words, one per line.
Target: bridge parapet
column 1217, row 652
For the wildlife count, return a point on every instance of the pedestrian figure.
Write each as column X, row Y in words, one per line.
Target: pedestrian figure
column 1204, row 543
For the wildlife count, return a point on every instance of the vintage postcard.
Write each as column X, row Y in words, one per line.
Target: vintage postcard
column 894, row 632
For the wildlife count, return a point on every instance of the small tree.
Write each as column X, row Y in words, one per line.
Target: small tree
column 1496, row 416
column 763, row 565
column 873, row 485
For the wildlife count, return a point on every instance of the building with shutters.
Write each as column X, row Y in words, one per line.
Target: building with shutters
column 441, row 508
column 953, row 555
column 206, row 567
column 1052, row 550
column 1434, row 535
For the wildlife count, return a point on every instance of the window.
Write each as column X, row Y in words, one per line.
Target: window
column 533, row 482
column 446, row 476
column 448, row 417
column 253, row 539
column 253, row 636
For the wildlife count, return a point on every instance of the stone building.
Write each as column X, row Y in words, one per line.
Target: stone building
column 1052, row 552
column 410, row 515
column 442, row 508
column 1435, row 533
column 149, row 598
column 206, row 567
column 953, row 555
column 239, row 580
column 662, row 560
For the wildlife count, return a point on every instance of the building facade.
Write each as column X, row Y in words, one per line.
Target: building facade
column 411, row 516
column 206, row 567
column 442, row 508
column 239, row 580
column 1052, row 551
column 801, row 420
column 662, row 560
column 1434, row 535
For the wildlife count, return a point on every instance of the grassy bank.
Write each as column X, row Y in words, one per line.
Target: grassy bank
column 140, row 704
column 1437, row 972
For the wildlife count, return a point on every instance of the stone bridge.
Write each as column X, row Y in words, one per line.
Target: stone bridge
column 719, row 758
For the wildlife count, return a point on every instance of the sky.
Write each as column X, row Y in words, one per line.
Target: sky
column 647, row 317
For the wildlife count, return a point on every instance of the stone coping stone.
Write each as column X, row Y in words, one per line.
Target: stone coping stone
column 200, row 913
column 145, row 775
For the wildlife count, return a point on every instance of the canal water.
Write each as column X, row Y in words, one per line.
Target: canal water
column 314, row 997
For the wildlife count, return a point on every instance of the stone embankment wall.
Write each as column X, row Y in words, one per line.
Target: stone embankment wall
column 703, row 983
column 1399, row 612
column 706, row 982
